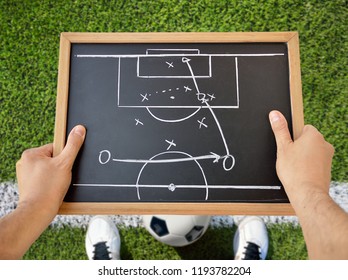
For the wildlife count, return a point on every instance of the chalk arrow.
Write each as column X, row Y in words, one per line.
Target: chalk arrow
column 216, row 157
column 212, row 155
column 185, row 59
column 201, row 97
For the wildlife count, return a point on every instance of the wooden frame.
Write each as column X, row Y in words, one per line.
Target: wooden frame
column 292, row 40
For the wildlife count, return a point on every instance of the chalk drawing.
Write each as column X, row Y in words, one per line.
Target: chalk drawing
column 201, row 97
column 171, row 143
column 138, row 122
column 177, row 63
column 170, row 186
column 170, row 64
column 201, row 123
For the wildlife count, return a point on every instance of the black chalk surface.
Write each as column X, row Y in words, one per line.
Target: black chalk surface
column 177, row 122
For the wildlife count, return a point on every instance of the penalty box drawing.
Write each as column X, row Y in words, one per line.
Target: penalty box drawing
column 174, row 87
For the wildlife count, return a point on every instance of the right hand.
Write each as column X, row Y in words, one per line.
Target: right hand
column 304, row 165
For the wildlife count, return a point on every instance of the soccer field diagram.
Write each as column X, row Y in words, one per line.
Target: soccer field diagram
column 177, row 131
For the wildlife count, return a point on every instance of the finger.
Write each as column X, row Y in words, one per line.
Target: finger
column 280, row 129
column 73, row 145
column 46, row 150
column 33, row 153
column 311, row 131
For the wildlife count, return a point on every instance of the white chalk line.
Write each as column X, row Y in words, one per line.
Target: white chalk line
column 187, row 61
column 171, row 55
column 118, row 81
column 171, row 77
column 174, row 152
column 181, row 77
column 183, row 186
column 219, row 127
column 178, row 107
column 9, row 195
column 174, row 120
column 237, row 80
column 192, row 51
column 140, row 75
column 214, row 156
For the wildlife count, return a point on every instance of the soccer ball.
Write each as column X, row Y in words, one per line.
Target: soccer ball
column 176, row 230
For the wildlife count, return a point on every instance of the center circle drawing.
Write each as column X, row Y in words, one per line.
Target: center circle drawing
column 172, row 176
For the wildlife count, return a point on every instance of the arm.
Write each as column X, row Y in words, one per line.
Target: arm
column 304, row 168
column 43, row 182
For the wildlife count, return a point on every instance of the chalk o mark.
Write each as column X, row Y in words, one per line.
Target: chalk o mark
column 108, row 157
column 228, row 165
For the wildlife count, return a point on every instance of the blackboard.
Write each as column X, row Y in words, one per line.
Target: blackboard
column 176, row 123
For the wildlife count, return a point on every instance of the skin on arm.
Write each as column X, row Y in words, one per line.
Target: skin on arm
column 304, row 168
column 43, row 181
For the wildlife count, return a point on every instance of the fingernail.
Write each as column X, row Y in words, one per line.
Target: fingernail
column 80, row 130
column 274, row 117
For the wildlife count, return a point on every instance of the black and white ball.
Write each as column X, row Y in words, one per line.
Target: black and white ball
column 176, row 230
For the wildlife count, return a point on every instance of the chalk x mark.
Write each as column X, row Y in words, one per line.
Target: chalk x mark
column 170, row 64
column 171, row 143
column 138, row 122
column 144, row 97
column 212, row 96
column 187, row 88
column 201, row 123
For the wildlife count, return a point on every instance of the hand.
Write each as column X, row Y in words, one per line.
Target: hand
column 304, row 165
column 43, row 180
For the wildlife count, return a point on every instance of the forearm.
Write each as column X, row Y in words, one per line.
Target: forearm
column 304, row 168
column 324, row 225
column 43, row 181
column 20, row 229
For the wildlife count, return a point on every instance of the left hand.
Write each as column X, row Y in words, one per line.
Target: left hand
column 43, row 180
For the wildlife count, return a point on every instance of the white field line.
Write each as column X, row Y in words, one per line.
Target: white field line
column 9, row 199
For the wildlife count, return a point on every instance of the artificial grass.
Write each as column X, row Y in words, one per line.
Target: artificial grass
column 29, row 47
column 67, row 243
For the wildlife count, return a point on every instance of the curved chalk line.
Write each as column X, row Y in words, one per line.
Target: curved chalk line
column 172, row 152
column 173, row 121
column 186, row 60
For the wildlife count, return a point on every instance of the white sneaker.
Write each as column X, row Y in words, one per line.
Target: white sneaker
column 250, row 241
column 102, row 239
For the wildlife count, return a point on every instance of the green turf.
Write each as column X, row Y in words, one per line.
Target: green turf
column 29, row 47
column 286, row 242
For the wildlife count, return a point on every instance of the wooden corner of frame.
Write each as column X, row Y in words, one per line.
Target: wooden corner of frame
column 65, row 37
column 294, row 37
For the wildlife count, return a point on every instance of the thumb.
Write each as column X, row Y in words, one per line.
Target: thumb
column 280, row 129
column 73, row 145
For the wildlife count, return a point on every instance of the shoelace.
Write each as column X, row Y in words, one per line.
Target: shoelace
column 101, row 251
column 252, row 252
